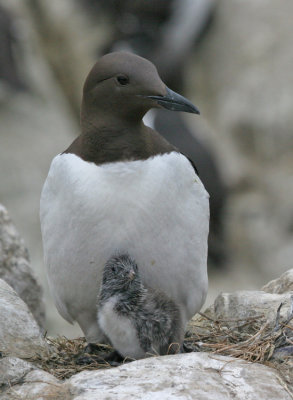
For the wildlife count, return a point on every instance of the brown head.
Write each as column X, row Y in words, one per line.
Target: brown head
column 123, row 87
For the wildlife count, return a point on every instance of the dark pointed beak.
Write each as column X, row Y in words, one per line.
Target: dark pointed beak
column 175, row 102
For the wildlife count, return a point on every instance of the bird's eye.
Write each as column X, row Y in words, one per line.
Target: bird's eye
column 114, row 269
column 122, row 80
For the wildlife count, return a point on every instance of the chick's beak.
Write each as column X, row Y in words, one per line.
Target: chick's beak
column 131, row 274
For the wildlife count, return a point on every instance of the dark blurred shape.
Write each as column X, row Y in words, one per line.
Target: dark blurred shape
column 10, row 74
column 146, row 12
column 163, row 31
column 166, row 32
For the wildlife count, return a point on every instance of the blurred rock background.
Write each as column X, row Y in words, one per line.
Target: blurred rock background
column 234, row 62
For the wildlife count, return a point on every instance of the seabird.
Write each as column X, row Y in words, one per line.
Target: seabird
column 121, row 187
column 138, row 320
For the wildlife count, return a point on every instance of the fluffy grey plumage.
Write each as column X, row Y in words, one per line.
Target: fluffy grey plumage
column 137, row 319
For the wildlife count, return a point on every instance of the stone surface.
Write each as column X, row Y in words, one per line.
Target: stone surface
column 37, row 385
column 20, row 334
column 15, row 267
column 248, row 303
column 283, row 284
column 184, row 376
column 13, row 370
column 188, row 376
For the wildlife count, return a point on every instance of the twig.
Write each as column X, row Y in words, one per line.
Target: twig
column 206, row 316
column 277, row 323
column 251, row 339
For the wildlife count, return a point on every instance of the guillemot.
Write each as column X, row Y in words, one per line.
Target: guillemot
column 139, row 321
column 121, row 187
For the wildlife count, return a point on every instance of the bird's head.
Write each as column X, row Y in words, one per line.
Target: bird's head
column 125, row 86
column 121, row 273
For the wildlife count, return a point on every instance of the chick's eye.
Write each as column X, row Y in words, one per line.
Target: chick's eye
column 122, row 80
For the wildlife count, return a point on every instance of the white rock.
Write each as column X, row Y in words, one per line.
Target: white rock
column 248, row 303
column 20, row 334
column 280, row 285
column 13, row 369
column 38, row 385
column 184, row 376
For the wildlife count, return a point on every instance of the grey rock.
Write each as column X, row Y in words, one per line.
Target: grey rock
column 283, row 284
column 38, row 385
column 13, row 370
column 15, row 267
column 244, row 304
column 186, row 376
column 20, row 334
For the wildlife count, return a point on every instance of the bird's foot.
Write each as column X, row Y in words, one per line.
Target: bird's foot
column 189, row 347
column 186, row 348
column 95, row 348
column 114, row 358
column 94, row 353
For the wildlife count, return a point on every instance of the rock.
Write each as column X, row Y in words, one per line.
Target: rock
column 20, row 334
column 15, row 268
column 189, row 376
column 244, row 304
column 13, row 370
column 38, row 385
column 186, row 376
column 283, row 284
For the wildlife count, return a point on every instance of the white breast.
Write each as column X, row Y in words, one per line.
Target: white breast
column 120, row 330
column 156, row 209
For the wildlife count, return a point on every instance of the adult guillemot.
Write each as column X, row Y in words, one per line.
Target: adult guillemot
column 121, row 187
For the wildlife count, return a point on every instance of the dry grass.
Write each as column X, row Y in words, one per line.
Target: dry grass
column 252, row 339
column 66, row 355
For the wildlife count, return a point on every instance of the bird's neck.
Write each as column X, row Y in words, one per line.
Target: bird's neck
column 104, row 141
column 132, row 294
column 110, row 143
column 97, row 122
